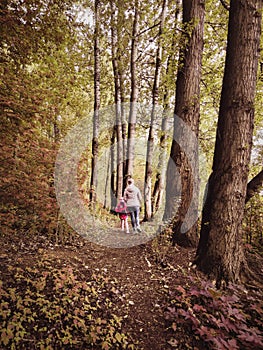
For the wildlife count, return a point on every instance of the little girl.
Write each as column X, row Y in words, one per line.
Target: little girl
column 121, row 209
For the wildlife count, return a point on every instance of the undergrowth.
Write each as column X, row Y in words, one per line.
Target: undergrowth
column 215, row 319
column 54, row 308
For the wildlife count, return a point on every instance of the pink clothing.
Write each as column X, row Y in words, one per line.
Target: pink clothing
column 123, row 216
column 121, row 207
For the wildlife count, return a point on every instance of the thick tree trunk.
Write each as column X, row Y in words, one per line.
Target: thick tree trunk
column 95, row 142
column 155, row 96
column 134, row 92
column 183, row 191
column 220, row 252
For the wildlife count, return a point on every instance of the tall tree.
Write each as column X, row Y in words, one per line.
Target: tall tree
column 168, row 84
column 155, row 97
column 219, row 252
column 95, row 138
column 134, row 91
column 159, row 185
column 187, row 109
column 122, row 59
column 117, row 100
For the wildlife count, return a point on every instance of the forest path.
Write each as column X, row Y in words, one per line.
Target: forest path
column 140, row 285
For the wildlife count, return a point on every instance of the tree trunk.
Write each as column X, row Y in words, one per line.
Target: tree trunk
column 183, row 190
column 95, row 142
column 107, row 181
column 121, row 21
column 155, row 96
column 134, row 92
column 117, row 100
column 159, row 185
column 113, row 171
column 124, row 131
column 219, row 252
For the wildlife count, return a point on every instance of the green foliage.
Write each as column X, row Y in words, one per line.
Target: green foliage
column 41, row 87
column 253, row 222
column 28, row 26
column 218, row 320
column 27, row 199
column 51, row 308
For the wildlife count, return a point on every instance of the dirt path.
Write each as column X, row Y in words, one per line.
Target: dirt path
column 142, row 285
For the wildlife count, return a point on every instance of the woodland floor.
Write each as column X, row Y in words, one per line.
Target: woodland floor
column 144, row 276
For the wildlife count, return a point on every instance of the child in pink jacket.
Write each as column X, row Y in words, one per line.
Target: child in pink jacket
column 121, row 209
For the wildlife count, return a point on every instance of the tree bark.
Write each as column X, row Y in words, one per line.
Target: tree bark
column 134, row 92
column 95, row 139
column 155, row 96
column 220, row 253
column 182, row 191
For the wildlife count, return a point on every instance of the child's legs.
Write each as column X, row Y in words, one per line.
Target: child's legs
column 126, row 224
column 122, row 224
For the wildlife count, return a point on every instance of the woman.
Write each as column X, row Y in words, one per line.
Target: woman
column 133, row 199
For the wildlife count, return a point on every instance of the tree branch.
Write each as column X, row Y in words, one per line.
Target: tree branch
column 149, row 28
column 254, row 185
column 226, row 6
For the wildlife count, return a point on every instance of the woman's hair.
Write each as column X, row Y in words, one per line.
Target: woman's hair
column 130, row 181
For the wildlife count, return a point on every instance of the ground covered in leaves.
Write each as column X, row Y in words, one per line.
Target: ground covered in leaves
column 80, row 295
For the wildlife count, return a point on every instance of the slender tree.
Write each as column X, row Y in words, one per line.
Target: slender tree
column 113, row 169
column 219, row 252
column 121, row 28
column 134, row 91
column 155, row 97
column 95, row 138
column 168, row 83
column 159, row 185
column 117, row 99
column 183, row 161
